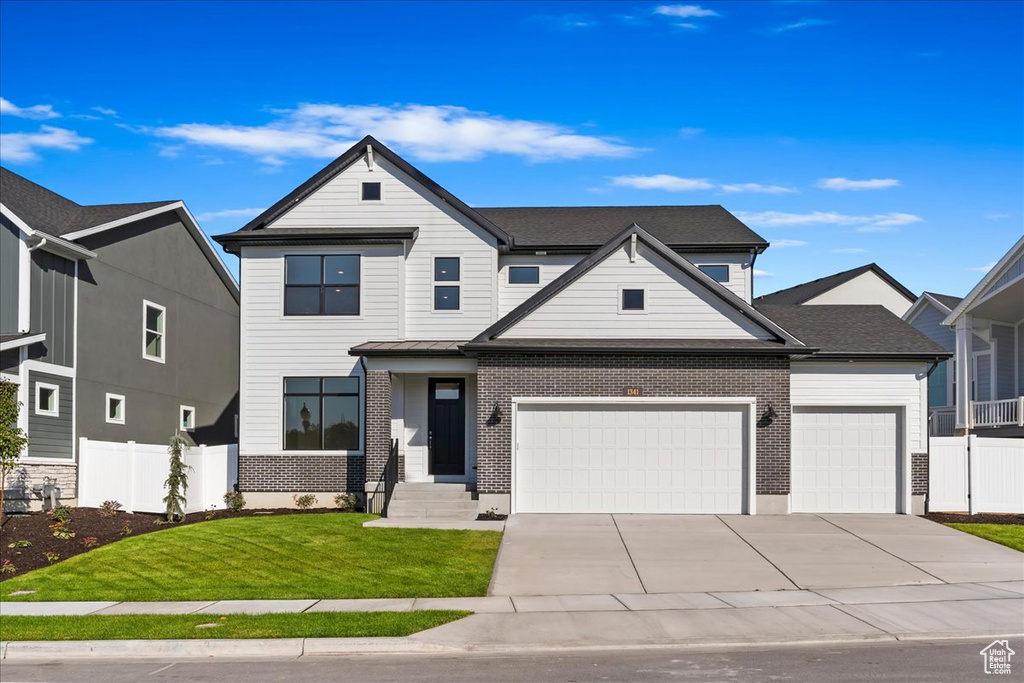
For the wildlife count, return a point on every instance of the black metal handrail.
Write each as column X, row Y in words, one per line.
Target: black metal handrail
column 377, row 501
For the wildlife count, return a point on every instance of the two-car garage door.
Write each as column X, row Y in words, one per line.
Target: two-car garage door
column 631, row 458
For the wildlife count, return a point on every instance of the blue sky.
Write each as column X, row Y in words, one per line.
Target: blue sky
column 843, row 132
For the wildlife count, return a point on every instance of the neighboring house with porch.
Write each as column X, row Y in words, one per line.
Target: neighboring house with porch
column 572, row 359
column 119, row 322
column 985, row 385
column 865, row 285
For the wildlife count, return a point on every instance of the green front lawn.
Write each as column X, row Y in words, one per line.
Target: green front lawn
column 188, row 626
column 1010, row 535
column 283, row 557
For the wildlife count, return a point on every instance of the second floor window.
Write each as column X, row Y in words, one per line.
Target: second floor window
column 321, row 285
column 447, row 276
column 154, row 320
column 718, row 273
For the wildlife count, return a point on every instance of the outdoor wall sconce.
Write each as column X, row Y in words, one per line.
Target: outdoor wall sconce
column 495, row 417
column 769, row 414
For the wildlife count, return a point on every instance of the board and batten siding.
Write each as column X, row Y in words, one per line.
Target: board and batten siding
column 675, row 306
column 275, row 346
column 53, row 306
column 10, row 272
column 51, row 437
column 815, row 383
column 442, row 232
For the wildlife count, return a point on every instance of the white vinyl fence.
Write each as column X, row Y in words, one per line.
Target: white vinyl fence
column 988, row 479
column 133, row 474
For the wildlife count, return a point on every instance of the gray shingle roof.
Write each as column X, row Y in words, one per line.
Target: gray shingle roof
column 592, row 226
column 808, row 290
column 946, row 300
column 853, row 331
column 53, row 214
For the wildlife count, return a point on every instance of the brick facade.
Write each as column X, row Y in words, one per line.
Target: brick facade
column 502, row 376
column 293, row 473
column 919, row 474
column 378, row 422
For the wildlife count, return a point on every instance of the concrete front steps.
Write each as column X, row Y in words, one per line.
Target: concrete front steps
column 432, row 501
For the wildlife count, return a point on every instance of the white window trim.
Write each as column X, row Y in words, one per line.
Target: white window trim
column 114, row 420
column 508, row 275
column 629, row 311
column 728, row 271
column 56, row 399
column 359, row 192
column 163, row 335
column 444, row 283
column 181, row 418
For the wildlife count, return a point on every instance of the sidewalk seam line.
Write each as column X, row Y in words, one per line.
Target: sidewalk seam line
column 620, row 601
column 828, row 521
column 625, row 547
column 861, row 620
column 751, row 545
column 309, row 607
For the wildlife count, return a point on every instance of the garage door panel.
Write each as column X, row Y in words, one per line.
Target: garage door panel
column 845, row 459
column 643, row 458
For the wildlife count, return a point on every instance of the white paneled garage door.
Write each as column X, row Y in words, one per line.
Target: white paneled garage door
column 642, row 458
column 845, row 459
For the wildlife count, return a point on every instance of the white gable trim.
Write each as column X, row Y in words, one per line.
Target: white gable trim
column 991, row 276
column 922, row 301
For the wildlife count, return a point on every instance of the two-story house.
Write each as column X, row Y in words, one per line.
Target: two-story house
column 981, row 389
column 571, row 359
column 118, row 322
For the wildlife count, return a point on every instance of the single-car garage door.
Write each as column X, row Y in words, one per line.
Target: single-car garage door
column 845, row 459
column 641, row 458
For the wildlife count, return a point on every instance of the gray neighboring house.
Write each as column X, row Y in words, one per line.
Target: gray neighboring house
column 119, row 322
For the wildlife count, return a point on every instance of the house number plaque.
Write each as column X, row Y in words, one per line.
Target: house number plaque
column 633, row 391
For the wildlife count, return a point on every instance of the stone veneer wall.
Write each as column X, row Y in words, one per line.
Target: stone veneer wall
column 502, row 376
column 26, row 475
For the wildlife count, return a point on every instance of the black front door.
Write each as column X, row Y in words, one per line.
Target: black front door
column 446, row 418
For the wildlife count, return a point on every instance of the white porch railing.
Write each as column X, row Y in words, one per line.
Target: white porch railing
column 942, row 421
column 1002, row 413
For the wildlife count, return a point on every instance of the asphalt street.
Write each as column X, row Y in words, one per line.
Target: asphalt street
column 934, row 662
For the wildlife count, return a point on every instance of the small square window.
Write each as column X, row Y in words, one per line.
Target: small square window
column 632, row 299
column 47, row 399
column 716, row 273
column 446, row 298
column 187, row 419
column 446, row 269
column 524, row 275
column 115, row 409
column 371, row 192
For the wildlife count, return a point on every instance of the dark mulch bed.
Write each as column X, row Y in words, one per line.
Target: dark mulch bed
column 87, row 522
column 964, row 518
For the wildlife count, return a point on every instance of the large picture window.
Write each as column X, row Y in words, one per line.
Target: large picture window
column 321, row 414
column 321, row 285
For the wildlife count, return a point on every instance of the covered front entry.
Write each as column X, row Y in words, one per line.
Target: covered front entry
column 625, row 457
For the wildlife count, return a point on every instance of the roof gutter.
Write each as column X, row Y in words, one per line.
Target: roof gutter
column 473, row 349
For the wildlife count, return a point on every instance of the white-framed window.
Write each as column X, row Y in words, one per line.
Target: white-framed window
column 632, row 300
column 154, row 332
column 719, row 272
column 115, row 409
column 47, row 399
column 371, row 191
column 524, row 275
column 187, row 418
column 447, row 283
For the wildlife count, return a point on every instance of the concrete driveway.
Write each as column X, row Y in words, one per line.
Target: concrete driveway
column 623, row 554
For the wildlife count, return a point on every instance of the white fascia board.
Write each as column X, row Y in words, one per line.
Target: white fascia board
column 78, row 234
column 41, row 240
column 22, row 341
column 989, row 278
column 921, row 302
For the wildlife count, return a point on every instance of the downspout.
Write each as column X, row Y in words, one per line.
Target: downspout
column 42, row 242
column 928, row 450
column 753, row 260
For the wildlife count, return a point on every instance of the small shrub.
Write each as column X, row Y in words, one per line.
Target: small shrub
column 234, row 500
column 305, row 501
column 490, row 515
column 108, row 508
column 7, row 567
column 346, row 502
column 61, row 513
column 210, row 514
column 126, row 529
column 61, row 530
column 22, row 543
column 52, row 557
column 90, row 541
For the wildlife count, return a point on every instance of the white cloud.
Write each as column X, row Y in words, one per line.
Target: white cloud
column 431, row 133
column 686, row 25
column 690, row 132
column 885, row 222
column 802, row 23
column 105, row 111
column 36, row 111
column 785, row 244
column 762, row 273
column 849, row 250
column 229, row 213
column 662, row 181
column 26, row 146
column 997, row 216
column 684, row 11
column 756, row 187
column 841, row 184
column 983, row 269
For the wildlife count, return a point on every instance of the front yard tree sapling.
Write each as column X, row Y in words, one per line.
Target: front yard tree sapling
column 12, row 438
column 177, row 478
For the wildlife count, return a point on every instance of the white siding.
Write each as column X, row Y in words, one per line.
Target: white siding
column 740, row 275
column 510, row 296
column 442, row 232
column 676, row 306
column 866, row 288
column 814, row 383
column 275, row 346
column 410, row 426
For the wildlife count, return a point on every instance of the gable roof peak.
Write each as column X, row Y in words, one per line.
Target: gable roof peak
column 801, row 293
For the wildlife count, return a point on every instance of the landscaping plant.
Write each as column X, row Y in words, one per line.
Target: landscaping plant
column 234, row 500
column 346, row 502
column 305, row 501
column 12, row 437
column 7, row 567
column 108, row 508
column 177, row 478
